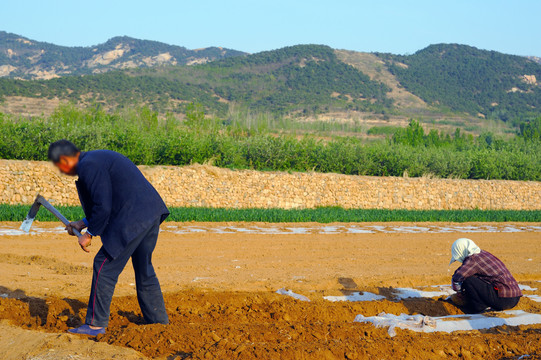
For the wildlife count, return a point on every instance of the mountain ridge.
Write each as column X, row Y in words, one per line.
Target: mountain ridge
column 305, row 81
column 467, row 79
column 24, row 58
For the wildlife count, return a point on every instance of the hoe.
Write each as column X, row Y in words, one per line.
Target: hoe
column 40, row 201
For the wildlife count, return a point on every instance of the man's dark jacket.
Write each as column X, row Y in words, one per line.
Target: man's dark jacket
column 119, row 203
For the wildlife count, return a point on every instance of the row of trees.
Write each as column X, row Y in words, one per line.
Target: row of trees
column 145, row 139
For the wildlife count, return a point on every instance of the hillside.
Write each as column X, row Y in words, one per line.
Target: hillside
column 445, row 85
column 303, row 78
column 28, row 59
column 374, row 67
column 466, row 79
column 535, row 58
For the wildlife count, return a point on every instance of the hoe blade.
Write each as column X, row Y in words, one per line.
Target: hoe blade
column 27, row 223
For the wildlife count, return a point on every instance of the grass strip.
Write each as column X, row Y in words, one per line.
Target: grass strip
column 321, row 215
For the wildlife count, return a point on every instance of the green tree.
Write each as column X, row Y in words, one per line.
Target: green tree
column 413, row 134
column 531, row 130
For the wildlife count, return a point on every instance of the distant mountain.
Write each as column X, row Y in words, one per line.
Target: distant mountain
column 305, row 80
column 466, row 79
column 28, row 59
column 310, row 78
column 535, row 58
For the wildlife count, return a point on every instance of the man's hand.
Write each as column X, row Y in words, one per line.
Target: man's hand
column 85, row 241
column 77, row 225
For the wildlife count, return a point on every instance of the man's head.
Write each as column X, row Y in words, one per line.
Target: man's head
column 65, row 156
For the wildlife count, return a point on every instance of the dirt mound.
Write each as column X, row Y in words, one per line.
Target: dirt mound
column 59, row 267
column 17, row 344
column 247, row 325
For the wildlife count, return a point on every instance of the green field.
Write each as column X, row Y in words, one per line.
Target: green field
column 321, row 215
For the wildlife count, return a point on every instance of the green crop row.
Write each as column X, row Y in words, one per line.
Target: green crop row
column 321, row 215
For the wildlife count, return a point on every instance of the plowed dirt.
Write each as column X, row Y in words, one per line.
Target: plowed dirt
column 220, row 295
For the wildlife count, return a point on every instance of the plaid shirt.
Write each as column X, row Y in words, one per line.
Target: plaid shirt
column 490, row 269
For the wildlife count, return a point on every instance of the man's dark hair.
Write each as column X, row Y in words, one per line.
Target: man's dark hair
column 61, row 148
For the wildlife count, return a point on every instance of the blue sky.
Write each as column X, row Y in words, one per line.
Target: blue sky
column 379, row 25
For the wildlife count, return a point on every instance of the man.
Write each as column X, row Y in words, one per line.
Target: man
column 482, row 281
column 125, row 210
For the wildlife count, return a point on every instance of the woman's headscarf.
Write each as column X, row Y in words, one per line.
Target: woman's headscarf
column 462, row 248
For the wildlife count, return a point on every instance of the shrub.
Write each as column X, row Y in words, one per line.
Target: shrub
column 145, row 139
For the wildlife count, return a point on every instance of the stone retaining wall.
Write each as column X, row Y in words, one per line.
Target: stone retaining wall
column 200, row 185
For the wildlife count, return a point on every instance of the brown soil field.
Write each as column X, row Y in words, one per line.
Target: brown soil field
column 220, row 292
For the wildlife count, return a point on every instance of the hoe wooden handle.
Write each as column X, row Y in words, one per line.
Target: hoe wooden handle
column 47, row 205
